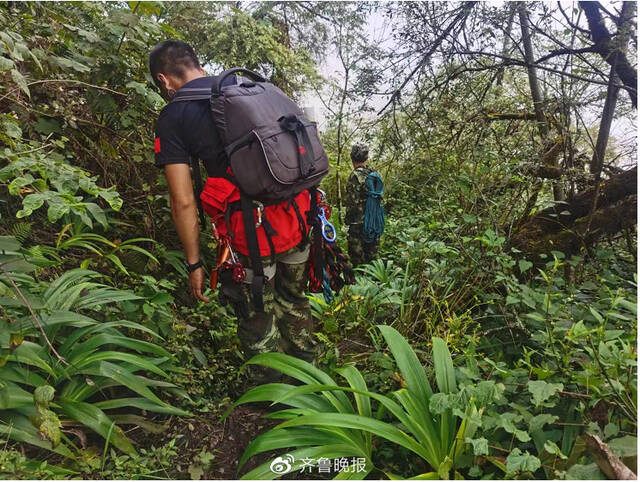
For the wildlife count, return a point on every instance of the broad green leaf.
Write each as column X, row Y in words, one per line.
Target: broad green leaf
column 553, row 449
column 517, row 461
column 290, row 437
column 123, row 376
column 480, row 445
column 6, row 64
column 408, row 363
column 346, row 420
column 536, row 423
column 141, row 403
column 443, row 366
column 14, row 396
column 19, row 428
column 305, row 372
column 542, row 391
column 20, row 81
column 95, row 419
column 585, row 472
column 626, row 446
column 524, row 265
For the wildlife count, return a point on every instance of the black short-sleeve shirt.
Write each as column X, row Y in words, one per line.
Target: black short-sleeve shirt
column 185, row 130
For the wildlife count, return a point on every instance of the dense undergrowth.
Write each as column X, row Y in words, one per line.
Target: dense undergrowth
column 453, row 355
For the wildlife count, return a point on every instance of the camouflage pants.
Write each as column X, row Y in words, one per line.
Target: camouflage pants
column 359, row 251
column 286, row 325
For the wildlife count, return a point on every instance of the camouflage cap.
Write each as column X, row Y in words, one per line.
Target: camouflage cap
column 359, row 153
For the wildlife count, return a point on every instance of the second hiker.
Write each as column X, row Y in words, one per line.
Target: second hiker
column 365, row 213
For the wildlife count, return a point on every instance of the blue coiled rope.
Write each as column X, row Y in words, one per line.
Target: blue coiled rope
column 374, row 210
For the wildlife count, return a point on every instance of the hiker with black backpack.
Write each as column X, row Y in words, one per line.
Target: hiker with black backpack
column 365, row 211
column 263, row 160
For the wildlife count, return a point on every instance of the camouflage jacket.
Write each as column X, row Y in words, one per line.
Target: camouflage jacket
column 356, row 195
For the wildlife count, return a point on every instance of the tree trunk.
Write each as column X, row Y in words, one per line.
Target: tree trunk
column 608, row 49
column 612, row 97
column 506, row 42
column 543, row 125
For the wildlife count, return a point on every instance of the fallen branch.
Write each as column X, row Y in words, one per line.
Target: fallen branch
column 609, row 463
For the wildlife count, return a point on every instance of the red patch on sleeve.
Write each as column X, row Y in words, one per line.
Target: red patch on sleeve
column 157, row 145
column 302, row 150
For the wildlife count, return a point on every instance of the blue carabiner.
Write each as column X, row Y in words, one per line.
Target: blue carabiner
column 328, row 231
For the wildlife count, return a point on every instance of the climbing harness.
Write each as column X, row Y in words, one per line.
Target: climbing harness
column 336, row 270
column 226, row 259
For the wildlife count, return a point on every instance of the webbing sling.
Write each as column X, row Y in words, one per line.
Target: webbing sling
column 254, row 252
column 314, row 221
column 197, row 178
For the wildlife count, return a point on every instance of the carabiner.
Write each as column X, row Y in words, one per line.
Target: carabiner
column 329, row 233
column 259, row 212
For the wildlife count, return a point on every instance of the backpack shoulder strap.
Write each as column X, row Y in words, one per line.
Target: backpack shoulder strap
column 197, row 178
column 191, row 93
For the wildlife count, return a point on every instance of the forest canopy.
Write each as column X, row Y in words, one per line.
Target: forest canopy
column 494, row 337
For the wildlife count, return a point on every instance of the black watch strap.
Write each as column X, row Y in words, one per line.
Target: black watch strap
column 192, row 267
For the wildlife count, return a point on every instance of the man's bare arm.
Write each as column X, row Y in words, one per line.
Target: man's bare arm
column 184, row 211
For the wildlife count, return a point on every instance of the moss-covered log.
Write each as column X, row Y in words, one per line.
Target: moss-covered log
column 567, row 227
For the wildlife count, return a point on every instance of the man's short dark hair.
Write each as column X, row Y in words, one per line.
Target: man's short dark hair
column 172, row 57
column 359, row 153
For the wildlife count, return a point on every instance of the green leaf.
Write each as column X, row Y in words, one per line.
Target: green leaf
column 143, row 404
column 96, row 420
column 20, row 81
column 611, row 429
column 480, row 446
column 408, row 363
column 626, row 446
column 518, row 461
column 19, row 428
column 524, row 265
column 6, row 64
column 98, row 214
column 289, row 437
column 506, row 421
column 443, row 366
column 305, row 372
column 596, row 315
column 536, row 423
column 56, row 211
column 542, row 391
column 9, row 243
column 13, row 396
column 553, row 449
column 585, row 472
column 347, row 420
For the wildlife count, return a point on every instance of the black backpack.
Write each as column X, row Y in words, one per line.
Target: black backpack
column 273, row 150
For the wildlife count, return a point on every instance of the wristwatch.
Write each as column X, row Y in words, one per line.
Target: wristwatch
column 192, row 267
